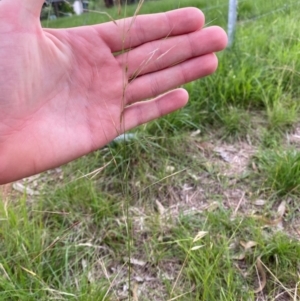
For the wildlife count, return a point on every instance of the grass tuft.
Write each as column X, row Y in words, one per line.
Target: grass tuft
column 280, row 170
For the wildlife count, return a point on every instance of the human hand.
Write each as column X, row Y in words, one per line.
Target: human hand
column 64, row 93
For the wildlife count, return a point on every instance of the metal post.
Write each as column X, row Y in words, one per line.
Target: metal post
column 232, row 17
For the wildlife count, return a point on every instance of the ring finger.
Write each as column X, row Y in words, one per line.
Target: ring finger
column 154, row 84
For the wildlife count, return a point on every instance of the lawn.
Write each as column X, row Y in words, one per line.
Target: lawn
column 200, row 205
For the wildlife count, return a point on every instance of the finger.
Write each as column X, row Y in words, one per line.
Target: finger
column 26, row 8
column 143, row 112
column 154, row 84
column 158, row 55
column 131, row 32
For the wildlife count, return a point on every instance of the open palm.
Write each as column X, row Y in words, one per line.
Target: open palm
column 65, row 93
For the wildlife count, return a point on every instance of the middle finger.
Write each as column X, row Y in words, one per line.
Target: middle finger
column 158, row 55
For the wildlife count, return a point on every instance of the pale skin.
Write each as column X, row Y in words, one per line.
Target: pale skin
column 64, row 93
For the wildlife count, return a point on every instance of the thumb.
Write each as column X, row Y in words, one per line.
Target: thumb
column 25, row 8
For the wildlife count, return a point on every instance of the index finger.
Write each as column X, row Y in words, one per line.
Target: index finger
column 135, row 31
